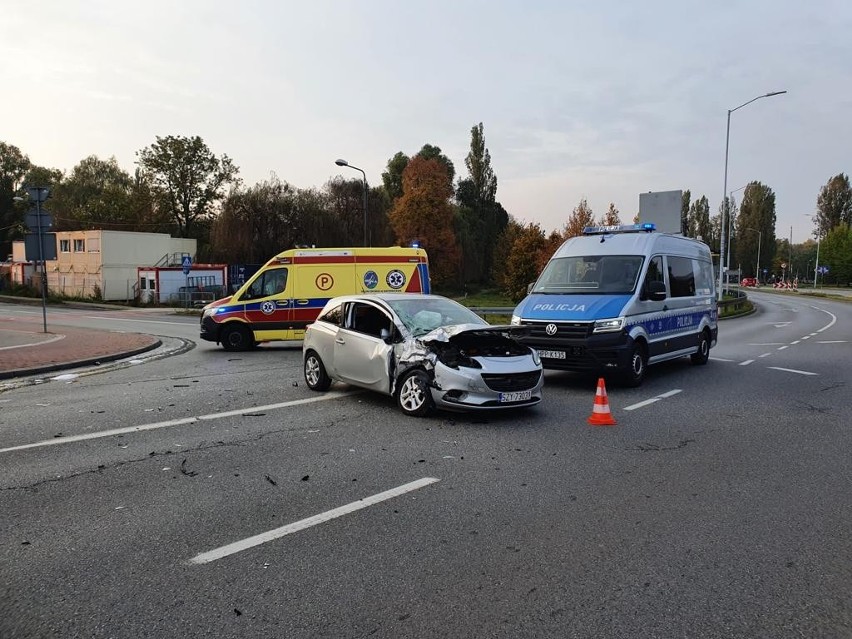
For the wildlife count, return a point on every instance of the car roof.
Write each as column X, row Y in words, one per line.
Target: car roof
column 384, row 297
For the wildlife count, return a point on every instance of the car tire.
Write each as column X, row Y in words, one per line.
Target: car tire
column 638, row 364
column 236, row 337
column 315, row 376
column 700, row 357
column 413, row 395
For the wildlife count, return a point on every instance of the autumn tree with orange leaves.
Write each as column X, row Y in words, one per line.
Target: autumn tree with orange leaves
column 424, row 213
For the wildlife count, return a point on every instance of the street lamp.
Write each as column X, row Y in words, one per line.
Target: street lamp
column 819, row 237
column 345, row 163
column 725, row 192
column 757, row 263
column 730, row 223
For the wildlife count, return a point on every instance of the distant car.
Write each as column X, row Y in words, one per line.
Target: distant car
column 427, row 351
column 749, row 281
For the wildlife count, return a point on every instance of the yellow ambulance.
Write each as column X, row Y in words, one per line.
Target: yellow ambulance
column 290, row 290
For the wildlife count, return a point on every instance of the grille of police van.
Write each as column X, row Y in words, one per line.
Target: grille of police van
column 564, row 330
column 515, row 382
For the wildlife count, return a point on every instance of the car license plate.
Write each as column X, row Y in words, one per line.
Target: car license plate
column 552, row 354
column 517, row 396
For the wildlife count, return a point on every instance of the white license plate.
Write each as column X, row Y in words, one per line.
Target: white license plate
column 518, row 396
column 552, row 354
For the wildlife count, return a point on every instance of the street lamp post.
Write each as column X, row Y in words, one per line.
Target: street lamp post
column 725, row 192
column 345, row 163
column 819, row 237
column 730, row 223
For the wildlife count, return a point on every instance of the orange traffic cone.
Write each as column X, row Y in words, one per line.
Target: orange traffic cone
column 600, row 411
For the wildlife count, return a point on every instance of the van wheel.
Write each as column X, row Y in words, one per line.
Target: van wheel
column 414, row 397
column 703, row 354
column 315, row 376
column 236, row 338
column 635, row 374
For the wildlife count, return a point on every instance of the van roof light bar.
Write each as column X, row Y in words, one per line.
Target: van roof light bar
column 644, row 227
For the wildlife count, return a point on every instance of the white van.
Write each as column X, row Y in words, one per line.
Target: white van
column 618, row 298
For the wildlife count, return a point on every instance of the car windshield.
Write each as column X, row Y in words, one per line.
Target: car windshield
column 590, row 274
column 421, row 316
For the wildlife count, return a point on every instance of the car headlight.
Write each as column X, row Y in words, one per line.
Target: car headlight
column 536, row 358
column 609, row 325
column 516, row 321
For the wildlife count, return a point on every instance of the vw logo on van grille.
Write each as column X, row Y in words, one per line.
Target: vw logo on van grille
column 550, row 329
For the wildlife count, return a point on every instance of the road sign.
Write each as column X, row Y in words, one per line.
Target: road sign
column 187, row 264
column 823, row 270
column 33, row 220
column 48, row 246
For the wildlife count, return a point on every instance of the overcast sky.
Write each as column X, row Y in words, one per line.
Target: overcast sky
column 598, row 100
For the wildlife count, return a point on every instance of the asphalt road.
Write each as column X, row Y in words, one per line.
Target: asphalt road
column 134, row 502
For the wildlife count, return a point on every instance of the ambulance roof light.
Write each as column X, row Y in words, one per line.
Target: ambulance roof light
column 642, row 227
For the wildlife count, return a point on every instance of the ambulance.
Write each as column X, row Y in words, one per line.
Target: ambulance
column 618, row 298
column 290, row 290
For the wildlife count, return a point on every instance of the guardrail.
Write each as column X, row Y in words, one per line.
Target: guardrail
column 733, row 304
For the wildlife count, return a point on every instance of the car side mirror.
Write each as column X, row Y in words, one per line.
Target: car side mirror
column 657, row 291
column 385, row 334
column 530, row 287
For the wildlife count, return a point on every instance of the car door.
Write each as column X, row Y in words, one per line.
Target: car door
column 361, row 357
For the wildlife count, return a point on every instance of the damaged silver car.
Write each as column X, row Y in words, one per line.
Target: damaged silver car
column 425, row 350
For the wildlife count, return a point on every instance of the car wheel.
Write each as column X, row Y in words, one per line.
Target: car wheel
column 236, row 337
column 414, row 397
column 315, row 376
column 635, row 374
column 703, row 354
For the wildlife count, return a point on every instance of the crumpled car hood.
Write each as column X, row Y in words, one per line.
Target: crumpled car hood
column 446, row 333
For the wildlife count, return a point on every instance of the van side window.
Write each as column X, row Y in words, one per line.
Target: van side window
column 654, row 274
column 681, row 276
column 270, row 282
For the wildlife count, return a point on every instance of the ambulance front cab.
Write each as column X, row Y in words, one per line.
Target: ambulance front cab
column 618, row 298
column 290, row 290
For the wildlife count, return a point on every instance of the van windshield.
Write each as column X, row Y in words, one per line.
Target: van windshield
column 612, row 274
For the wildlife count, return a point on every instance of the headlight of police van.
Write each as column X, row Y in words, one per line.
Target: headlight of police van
column 515, row 320
column 609, row 325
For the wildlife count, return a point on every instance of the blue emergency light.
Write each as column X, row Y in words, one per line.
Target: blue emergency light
column 644, row 227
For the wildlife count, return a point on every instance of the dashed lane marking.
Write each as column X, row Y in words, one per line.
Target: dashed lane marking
column 665, row 395
column 791, row 370
column 277, row 533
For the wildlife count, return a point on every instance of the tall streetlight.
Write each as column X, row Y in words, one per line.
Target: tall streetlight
column 725, row 192
column 730, row 223
column 757, row 263
column 819, row 237
column 345, row 163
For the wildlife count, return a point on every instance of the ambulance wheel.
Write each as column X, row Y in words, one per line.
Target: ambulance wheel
column 703, row 354
column 414, row 397
column 236, row 337
column 635, row 374
column 315, row 376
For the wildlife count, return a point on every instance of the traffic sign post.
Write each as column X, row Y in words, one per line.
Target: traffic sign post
column 37, row 245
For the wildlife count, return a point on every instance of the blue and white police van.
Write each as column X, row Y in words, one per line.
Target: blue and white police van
column 618, row 298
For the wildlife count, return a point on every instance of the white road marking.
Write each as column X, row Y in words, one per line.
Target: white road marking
column 791, row 370
column 47, row 341
column 781, row 348
column 646, row 402
column 747, row 362
column 721, row 359
column 781, row 324
column 796, row 342
column 765, row 355
column 834, row 341
column 145, row 321
column 174, row 422
column 270, row 535
column 767, row 344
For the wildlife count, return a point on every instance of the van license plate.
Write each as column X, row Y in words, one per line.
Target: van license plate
column 518, row 396
column 552, row 354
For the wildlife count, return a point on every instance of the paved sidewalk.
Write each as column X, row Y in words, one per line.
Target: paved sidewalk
column 26, row 350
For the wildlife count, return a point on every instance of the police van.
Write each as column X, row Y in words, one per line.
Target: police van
column 290, row 290
column 618, row 298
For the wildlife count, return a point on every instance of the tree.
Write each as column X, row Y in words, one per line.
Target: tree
column 836, row 253
column 684, row 212
column 834, row 204
column 522, row 264
column 611, row 217
column 97, row 194
column 430, row 152
column 699, row 221
column 503, row 251
column 424, row 213
column 187, row 179
column 478, row 163
column 13, row 167
column 392, row 178
column 579, row 219
column 757, row 211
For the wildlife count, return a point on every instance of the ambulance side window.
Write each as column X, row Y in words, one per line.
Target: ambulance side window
column 269, row 283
